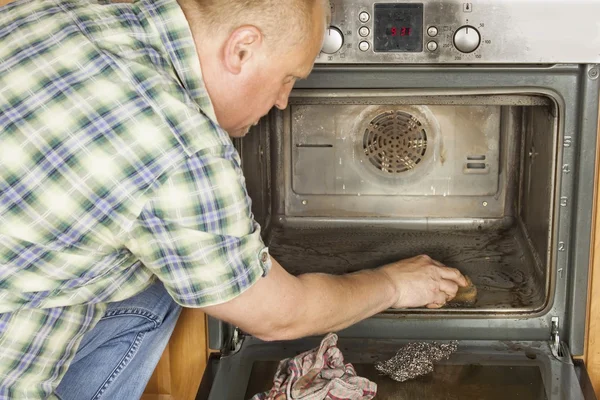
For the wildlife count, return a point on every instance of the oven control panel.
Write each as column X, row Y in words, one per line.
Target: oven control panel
column 462, row 32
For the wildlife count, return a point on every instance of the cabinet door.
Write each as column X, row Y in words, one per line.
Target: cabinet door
column 179, row 371
column 592, row 351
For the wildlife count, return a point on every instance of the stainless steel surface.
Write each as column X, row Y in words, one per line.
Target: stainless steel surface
column 363, row 16
column 340, row 155
column 512, row 32
column 560, row 101
column 537, row 176
column 334, row 40
column 582, row 199
column 547, row 208
column 467, row 39
column 352, row 155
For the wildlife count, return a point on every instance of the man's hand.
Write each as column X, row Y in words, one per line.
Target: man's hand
column 421, row 281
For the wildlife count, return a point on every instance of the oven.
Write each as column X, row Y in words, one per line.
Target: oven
column 461, row 130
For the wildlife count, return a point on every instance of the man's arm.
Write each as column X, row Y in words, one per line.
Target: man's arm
column 198, row 237
column 282, row 307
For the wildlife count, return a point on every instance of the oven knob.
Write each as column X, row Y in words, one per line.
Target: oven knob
column 333, row 40
column 467, row 39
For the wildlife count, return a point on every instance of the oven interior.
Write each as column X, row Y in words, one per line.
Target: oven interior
column 342, row 181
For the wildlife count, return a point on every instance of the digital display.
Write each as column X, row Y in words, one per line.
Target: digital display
column 398, row 27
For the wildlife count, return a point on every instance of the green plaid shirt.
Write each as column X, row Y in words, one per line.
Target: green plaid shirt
column 113, row 171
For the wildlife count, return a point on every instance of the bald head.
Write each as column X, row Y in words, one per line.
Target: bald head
column 281, row 22
column 252, row 52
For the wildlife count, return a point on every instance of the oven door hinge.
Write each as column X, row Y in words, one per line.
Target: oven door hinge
column 235, row 342
column 560, row 350
column 554, row 335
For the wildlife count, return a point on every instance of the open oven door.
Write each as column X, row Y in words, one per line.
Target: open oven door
column 533, row 370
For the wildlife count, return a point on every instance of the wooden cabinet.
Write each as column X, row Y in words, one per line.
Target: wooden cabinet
column 592, row 351
column 179, row 371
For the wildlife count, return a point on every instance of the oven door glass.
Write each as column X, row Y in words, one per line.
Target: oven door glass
column 478, row 370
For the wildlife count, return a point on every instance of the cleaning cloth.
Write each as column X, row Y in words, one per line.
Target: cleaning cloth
column 319, row 374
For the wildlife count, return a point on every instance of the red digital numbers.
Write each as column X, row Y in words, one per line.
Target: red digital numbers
column 403, row 31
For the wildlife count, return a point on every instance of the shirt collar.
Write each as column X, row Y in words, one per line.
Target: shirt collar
column 178, row 41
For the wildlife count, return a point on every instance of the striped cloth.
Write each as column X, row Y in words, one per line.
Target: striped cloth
column 319, row 374
column 113, row 171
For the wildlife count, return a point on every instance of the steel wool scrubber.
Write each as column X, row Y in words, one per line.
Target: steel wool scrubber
column 415, row 359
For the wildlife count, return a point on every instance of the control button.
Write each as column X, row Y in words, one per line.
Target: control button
column 432, row 31
column 364, row 46
column 364, row 31
column 364, row 16
column 432, row 46
column 333, row 40
column 467, row 39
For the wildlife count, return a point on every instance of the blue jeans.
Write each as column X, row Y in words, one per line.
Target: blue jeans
column 117, row 357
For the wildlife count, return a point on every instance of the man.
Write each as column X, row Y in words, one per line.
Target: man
column 122, row 197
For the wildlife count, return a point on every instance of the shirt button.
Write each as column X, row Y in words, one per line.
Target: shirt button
column 264, row 257
column 265, row 260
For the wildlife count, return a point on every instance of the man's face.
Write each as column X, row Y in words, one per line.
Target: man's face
column 270, row 88
column 267, row 80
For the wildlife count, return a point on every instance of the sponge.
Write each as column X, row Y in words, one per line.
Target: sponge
column 466, row 296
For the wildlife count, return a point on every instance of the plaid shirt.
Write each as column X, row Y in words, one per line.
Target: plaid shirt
column 113, row 171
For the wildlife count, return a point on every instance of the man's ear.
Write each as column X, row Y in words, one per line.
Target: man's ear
column 240, row 47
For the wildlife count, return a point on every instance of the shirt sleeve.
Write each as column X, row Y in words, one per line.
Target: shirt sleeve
column 197, row 232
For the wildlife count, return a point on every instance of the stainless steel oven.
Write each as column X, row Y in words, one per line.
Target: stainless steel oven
column 463, row 130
